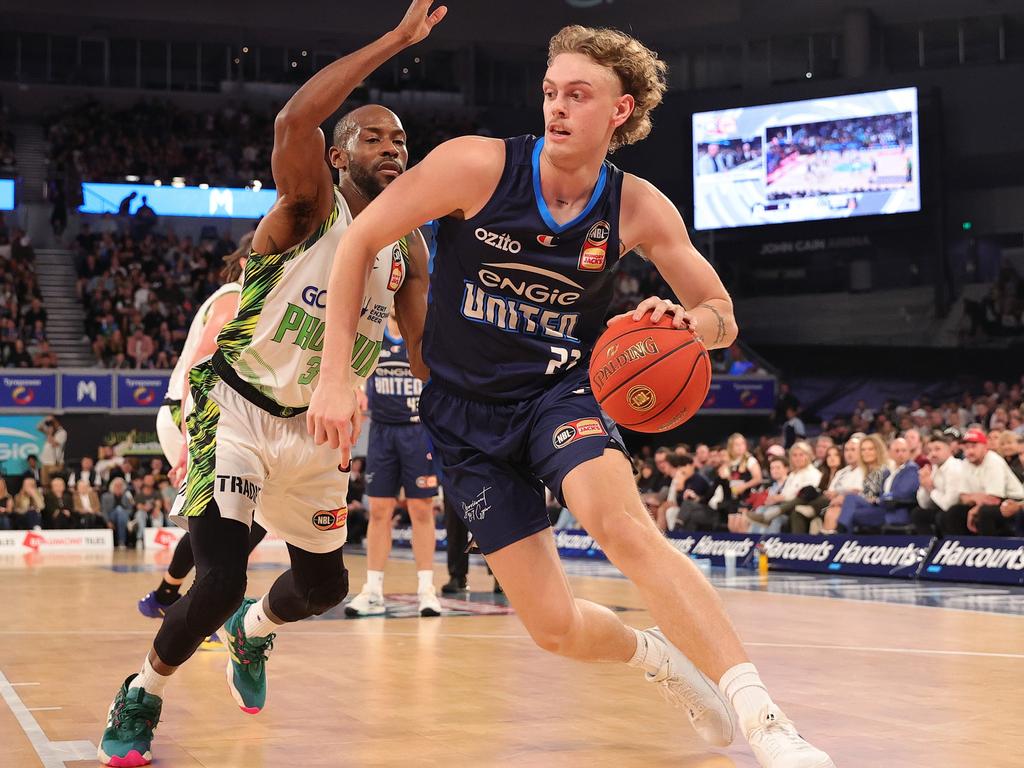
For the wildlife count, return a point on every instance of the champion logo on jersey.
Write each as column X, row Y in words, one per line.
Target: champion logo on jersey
column 595, row 248
column 548, row 241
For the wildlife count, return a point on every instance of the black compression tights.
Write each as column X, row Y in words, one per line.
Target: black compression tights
column 313, row 584
column 183, row 561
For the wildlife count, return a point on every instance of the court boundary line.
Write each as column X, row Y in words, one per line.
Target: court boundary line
column 46, row 750
column 526, row 638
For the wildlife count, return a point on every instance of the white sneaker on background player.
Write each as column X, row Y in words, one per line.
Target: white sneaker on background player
column 429, row 604
column 366, row 603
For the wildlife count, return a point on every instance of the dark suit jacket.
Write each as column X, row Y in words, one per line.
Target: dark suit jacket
column 903, row 492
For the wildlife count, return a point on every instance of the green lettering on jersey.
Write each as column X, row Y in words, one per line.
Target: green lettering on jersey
column 308, row 329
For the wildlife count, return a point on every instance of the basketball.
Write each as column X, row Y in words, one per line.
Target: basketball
column 649, row 377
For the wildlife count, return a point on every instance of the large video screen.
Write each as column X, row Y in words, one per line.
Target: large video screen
column 832, row 158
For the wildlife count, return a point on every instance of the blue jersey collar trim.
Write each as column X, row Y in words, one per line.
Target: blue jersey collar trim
column 542, row 206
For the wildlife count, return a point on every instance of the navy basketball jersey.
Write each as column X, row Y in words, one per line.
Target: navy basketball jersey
column 516, row 298
column 393, row 392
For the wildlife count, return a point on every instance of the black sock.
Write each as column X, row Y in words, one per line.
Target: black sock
column 166, row 594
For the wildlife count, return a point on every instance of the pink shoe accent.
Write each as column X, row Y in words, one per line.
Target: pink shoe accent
column 250, row 710
column 132, row 760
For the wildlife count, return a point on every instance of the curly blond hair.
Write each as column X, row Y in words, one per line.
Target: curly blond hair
column 640, row 71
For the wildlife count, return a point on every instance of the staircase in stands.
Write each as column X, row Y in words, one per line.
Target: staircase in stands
column 65, row 318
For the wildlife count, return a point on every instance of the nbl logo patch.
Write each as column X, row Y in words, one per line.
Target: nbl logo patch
column 330, row 519
column 572, row 431
column 595, row 248
column 641, row 398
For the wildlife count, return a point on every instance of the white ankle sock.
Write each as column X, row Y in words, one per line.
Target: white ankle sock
column 649, row 654
column 426, row 581
column 743, row 687
column 150, row 680
column 256, row 622
column 375, row 582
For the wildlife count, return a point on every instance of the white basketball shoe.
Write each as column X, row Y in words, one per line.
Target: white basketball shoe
column 776, row 744
column 683, row 685
column 429, row 604
column 366, row 603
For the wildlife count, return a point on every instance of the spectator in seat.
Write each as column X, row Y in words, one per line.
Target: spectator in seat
column 848, row 480
column 821, row 445
column 741, row 471
column 987, row 483
column 898, row 496
column 87, row 505
column 28, row 506
column 805, row 513
column 118, row 509
column 87, row 471
column 764, row 517
column 941, row 480
column 687, row 504
column 33, row 469
column 1010, row 447
column 59, row 506
column 803, row 477
column 6, row 507
column 873, row 465
column 917, row 449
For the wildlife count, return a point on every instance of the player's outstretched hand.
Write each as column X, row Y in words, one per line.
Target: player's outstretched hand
column 658, row 309
column 419, row 21
column 335, row 417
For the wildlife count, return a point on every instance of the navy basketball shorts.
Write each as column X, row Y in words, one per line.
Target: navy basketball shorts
column 496, row 458
column 398, row 456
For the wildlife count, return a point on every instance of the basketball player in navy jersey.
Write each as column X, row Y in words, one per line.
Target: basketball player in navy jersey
column 398, row 459
column 531, row 229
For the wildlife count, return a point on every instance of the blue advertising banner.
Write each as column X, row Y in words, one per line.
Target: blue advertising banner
column 897, row 556
column 748, row 395
column 214, row 202
column 6, row 194
column 577, row 543
column 401, row 536
column 86, row 392
column 976, row 558
column 19, row 439
column 135, row 391
column 713, row 546
column 29, row 392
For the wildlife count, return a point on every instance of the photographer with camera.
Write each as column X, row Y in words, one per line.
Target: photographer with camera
column 52, row 457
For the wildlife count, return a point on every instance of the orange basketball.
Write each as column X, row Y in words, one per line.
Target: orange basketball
column 649, row 377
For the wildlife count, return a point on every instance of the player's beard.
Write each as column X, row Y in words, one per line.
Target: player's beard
column 366, row 181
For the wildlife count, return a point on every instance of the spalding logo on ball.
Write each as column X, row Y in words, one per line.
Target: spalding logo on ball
column 649, row 377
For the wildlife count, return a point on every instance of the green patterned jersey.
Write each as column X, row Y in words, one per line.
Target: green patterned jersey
column 195, row 334
column 276, row 340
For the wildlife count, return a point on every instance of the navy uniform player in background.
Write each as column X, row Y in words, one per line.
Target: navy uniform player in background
column 531, row 229
column 397, row 459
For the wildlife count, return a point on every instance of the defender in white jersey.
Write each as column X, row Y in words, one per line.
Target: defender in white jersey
column 249, row 451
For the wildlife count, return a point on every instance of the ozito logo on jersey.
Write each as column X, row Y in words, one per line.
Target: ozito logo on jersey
column 594, row 252
column 572, row 431
column 330, row 519
column 314, row 297
column 501, row 241
column 395, row 279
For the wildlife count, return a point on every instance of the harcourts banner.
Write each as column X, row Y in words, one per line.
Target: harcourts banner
column 714, row 546
column 19, row 439
column 142, row 392
column 29, row 392
column 213, row 202
column 976, row 558
column 740, row 395
column 401, row 536
column 577, row 543
column 899, row 556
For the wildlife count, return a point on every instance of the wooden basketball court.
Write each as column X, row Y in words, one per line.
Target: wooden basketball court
column 879, row 685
